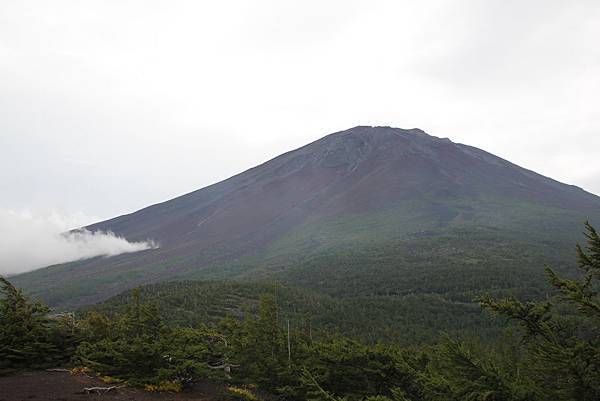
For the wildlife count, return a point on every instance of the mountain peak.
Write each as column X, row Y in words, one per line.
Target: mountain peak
column 358, row 144
column 380, row 135
column 375, row 130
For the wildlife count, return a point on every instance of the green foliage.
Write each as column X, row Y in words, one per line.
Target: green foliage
column 347, row 367
column 408, row 319
column 262, row 351
column 29, row 336
column 314, row 391
column 274, row 341
column 563, row 349
column 138, row 347
column 458, row 372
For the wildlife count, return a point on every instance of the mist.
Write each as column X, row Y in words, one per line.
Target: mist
column 31, row 241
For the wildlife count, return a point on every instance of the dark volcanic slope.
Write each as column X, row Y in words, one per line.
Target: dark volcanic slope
column 349, row 171
column 365, row 182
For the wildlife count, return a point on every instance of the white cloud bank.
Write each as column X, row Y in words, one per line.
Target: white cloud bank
column 29, row 242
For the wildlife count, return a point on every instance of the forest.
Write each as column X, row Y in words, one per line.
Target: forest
column 296, row 345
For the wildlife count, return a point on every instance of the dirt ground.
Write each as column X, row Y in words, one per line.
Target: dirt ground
column 62, row 386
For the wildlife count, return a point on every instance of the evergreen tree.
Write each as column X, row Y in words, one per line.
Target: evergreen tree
column 140, row 348
column 29, row 336
column 562, row 335
column 260, row 347
column 457, row 372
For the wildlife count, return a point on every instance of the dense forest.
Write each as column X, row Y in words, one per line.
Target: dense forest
column 298, row 345
column 412, row 319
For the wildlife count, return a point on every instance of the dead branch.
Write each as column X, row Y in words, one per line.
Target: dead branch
column 58, row 370
column 100, row 390
column 223, row 366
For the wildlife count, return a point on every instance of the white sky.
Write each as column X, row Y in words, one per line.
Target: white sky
column 109, row 106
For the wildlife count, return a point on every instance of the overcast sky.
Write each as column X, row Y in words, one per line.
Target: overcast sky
column 109, row 106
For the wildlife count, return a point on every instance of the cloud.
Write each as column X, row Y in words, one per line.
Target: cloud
column 29, row 242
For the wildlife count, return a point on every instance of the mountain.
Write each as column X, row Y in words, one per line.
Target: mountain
column 370, row 211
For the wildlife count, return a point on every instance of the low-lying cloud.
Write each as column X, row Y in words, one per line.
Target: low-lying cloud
column 29, row 241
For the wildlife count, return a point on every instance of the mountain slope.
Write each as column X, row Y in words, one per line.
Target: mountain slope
column 365, row 210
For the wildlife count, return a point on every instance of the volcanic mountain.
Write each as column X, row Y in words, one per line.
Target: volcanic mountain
column 369, row 211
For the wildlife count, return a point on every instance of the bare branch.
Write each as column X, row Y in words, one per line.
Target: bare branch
column 100, row 390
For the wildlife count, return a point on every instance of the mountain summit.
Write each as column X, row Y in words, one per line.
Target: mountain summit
column 350, row 171
column 362, row 187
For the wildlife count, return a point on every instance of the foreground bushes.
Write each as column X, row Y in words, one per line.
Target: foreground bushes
column 29, row 336
column 139, row 348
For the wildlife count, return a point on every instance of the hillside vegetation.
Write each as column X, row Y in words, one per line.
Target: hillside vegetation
column 165, row 337
column 409, row 319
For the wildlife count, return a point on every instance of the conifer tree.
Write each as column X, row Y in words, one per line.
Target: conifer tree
column 562, row 335
column 29, row 337
column 140, row 348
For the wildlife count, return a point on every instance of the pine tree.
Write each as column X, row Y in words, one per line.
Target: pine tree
column 562, row 335
column 456, row 372
column 138, row 347
column 29, row 336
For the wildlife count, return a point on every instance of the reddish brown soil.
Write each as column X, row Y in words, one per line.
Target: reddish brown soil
column 62, row 386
